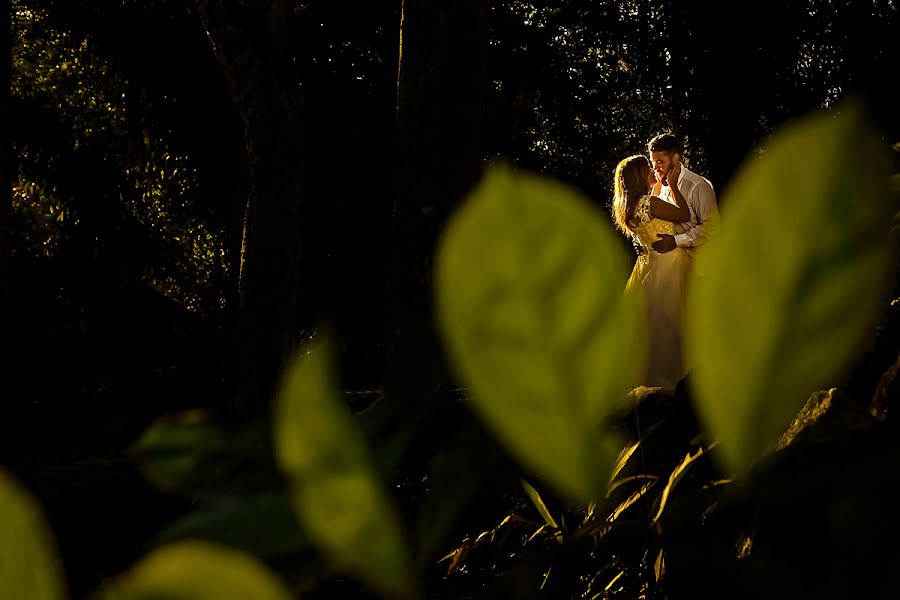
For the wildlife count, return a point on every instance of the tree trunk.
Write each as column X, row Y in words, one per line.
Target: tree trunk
column 440, row 91
column 6, row 165
column 250, row 41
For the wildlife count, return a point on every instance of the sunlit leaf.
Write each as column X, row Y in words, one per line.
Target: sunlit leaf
column 629, row 502
column 29, row 567
column 674, row 477
column 539, row 504
column 659, row 566
column 335, row 492
column 529, row 288
column 624, row 455
column 618, row 483
column 792, row 283
column 197, row 571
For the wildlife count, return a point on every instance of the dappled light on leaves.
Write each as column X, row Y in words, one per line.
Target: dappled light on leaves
column 78, row 110
column 162, row 187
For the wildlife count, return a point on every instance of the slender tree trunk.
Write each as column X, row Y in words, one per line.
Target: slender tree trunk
column 250, row 40
column 6, row 165
column 440, row 91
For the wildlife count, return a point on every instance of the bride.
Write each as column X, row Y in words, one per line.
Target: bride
column 660, row 278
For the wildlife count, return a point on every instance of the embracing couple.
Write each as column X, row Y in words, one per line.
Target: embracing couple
column 668, row 211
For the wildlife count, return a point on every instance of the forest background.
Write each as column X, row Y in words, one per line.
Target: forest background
column 192, row 190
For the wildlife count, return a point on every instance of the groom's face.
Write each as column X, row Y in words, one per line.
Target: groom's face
column 662, row 162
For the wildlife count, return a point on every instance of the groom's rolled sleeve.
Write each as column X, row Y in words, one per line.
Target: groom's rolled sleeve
column 703, row 203
column 683, row 240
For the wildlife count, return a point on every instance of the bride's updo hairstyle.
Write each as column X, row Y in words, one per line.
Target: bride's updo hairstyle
column 629, row 184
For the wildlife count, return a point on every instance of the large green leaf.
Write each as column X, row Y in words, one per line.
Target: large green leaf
column 792, row 282
column 529, row 286
column 197, row 571
column 29, row 567
column 335, row 492
column 261, row 524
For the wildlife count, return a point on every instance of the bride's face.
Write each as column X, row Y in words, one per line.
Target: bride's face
column 651, row 178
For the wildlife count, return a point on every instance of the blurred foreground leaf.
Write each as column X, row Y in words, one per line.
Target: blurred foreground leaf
column 197, row 571
column 172, row 450
column 191, row 454
column 792, row 284
column 261, row 524
column 29, row 567
column 335, row 492
column 529, row 289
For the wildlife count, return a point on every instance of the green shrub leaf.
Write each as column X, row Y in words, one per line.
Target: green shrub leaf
column 29, row 567
column 191, row 454
column 262, row 524
column 197, row 571
column 791, row 284
column 335, row 492
column 172, row 450
column 529, row 288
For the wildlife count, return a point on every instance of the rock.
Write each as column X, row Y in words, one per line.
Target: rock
column 828, row 414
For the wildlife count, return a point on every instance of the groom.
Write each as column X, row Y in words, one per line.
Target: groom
column 698, row 191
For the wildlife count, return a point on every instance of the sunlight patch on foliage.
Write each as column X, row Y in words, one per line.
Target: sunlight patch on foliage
column 61, row 75
column 162, row 186
column 41, row 215
column 64, row 71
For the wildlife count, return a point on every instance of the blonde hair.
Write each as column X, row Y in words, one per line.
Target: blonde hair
column 629, row 184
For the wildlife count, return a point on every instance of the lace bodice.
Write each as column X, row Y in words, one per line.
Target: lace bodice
column 646, row 227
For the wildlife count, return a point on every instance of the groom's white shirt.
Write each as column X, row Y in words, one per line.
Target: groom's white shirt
column 701, row 200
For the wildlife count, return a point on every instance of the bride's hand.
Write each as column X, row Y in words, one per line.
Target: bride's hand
column 674, row 172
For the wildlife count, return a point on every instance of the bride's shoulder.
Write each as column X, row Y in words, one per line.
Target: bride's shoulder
column 642, row 211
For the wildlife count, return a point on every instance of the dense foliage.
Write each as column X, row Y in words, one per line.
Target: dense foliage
column 134, row 187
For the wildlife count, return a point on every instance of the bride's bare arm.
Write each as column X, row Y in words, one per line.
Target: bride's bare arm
column 661, row 209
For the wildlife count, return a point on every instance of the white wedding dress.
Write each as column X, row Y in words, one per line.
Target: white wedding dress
column 661, row 279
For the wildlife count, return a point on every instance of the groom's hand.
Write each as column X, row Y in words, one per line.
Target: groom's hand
column 665, row 243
